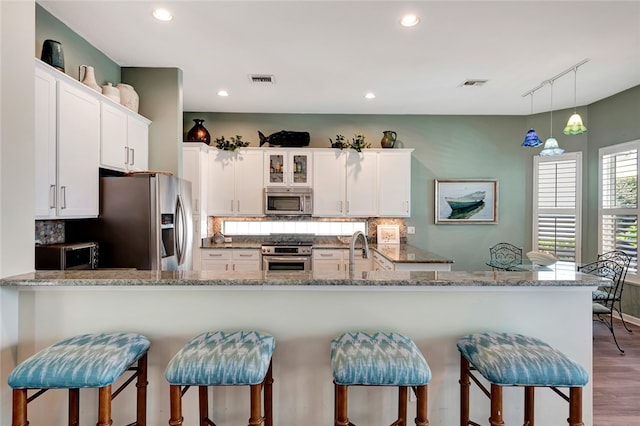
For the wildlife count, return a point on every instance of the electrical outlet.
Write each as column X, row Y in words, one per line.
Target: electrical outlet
column 411, row 229
column 228, row 239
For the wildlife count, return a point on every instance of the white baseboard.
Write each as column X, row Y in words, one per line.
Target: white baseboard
column 631, row 319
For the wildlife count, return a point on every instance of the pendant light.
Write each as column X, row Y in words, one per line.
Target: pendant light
column 551, row 145
column 531, row 139
column 574, row 125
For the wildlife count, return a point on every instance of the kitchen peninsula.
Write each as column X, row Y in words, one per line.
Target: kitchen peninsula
column 304, row 311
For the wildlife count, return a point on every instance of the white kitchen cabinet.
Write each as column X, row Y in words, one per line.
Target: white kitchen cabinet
column 124, row 143
column 345, row 183
column 287, row 167
column 195, row 168
column 337, row 260
column 380, row 263
column 67, row 130
column 234, row 185
column 237, row 260
column 394, row 183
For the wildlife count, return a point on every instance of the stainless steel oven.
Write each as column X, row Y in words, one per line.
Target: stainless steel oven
column 286, row 256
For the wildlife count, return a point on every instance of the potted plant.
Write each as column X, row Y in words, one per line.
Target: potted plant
column 357, row 142
column 230, row 145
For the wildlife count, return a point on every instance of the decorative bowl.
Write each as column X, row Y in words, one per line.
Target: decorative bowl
column 539, row 258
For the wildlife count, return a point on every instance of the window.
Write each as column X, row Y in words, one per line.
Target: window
column 618, row 194
column 557, row 204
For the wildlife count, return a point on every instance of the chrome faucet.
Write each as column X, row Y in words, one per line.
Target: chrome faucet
column 352, row 248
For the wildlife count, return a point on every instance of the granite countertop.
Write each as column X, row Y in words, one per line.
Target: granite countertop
column 303, row 280
column 398, row 253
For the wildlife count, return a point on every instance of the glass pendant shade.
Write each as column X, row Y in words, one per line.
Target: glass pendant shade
column 531, row 139
column 574, row 125
column 551, row 147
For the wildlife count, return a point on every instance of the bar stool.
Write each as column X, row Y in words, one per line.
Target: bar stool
column 506, row 359
column 379, row 359
column 222, row 358
column 86, row 361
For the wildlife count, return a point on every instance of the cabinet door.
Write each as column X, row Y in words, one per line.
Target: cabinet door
column 328, row 260
column 394, row 183
column 221, row 183
column 45, row 145
column 249, row 190
column 329, row 183
column 362, row 183
column 113, row 138
column 216, row 260
column 275, row 164
column 78, row 152
column 138, row 144
column 299, row 168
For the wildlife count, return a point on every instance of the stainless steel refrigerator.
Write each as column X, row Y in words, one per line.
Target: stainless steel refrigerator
column 144, row 222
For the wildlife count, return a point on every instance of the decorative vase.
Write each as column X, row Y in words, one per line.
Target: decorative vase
column 128, row 96
column 198, row 133
column 111, row 92
column 52, row 54
column 388, row 139
column 89, row 78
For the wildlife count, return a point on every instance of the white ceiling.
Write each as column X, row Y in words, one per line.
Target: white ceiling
column 325, row 55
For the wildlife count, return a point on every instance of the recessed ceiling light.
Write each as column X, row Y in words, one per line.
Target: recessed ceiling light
column 409, row 20
column 223, row 93
column 162, row 15
column 370, row 95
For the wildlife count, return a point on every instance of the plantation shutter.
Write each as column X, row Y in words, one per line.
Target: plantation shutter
column 557, row 205
column 618, row 212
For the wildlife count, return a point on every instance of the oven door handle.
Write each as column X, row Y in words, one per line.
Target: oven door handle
column 287, row 258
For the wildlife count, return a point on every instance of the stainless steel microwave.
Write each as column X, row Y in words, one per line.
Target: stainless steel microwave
column 67, row 256
column 288, row 201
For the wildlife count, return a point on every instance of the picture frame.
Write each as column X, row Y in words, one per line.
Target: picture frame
column 466, row 201
column 388, row 234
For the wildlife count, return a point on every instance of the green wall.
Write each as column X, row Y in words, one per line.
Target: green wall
column 77, row 51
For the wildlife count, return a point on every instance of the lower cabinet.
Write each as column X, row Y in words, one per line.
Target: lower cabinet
column 337, row 260
column 230, row 259
column 381, row 263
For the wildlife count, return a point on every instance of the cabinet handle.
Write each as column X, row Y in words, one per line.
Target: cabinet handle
column 215, row 254
column 126, row 155
column 197, row 210
column 231, row 205
column 340, row 206
column 347, row 206
column 245, row 255
column 133, row 156
column 226, row 267
column 238, row 206
column 233, row 267
column 52, row 196
column 326, row 255
column 63, row 197
column 406, row 206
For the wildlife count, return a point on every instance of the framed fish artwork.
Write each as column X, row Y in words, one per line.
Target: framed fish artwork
column 466, row 201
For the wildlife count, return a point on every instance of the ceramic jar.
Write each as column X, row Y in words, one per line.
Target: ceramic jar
column 52, row 54
column 128, row 96
column 198, row 133
column 89, row 78
column 388, row 139
column 111, row 92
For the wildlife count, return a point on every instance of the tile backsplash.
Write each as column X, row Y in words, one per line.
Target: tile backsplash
column 49, row 231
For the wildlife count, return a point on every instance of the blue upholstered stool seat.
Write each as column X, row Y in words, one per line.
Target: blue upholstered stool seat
column 86, row 361
column 222, row 358
column 514, row 359
column 359, row 358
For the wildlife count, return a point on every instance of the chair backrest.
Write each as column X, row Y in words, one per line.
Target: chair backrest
column 607, row 268
column 506, row 253
column 620, row 257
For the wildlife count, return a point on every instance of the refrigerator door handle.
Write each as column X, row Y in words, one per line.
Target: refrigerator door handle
column 181, row 230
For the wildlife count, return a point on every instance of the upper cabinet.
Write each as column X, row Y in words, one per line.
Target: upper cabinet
column 124, row 144
column 371, row 183
column 234, row 185
column 67, row 145
column 287, row 167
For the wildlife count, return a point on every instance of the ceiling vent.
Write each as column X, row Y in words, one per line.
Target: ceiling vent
column 262, row 78
column 473, row 83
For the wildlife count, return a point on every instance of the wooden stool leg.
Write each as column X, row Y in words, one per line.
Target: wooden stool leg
column 496, row 406
column 256, row 408
column 575, row 407
column 341, row 395
column 175, row 399
column 528, row 405
column 104, row 406
column 74, row 407
column 465, row 383
column 141, row 391
column 19, row 415
column 422, row 405
column 402, row 406
column 268, row 397
column 203, row 404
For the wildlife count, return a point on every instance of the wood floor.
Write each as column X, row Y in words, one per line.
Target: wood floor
column 616, row 377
